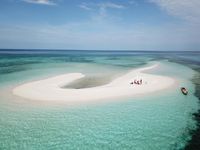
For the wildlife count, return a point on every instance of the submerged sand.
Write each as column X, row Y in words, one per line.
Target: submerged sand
column 50, row 89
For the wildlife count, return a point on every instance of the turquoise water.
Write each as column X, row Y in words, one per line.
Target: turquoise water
column 158, row 121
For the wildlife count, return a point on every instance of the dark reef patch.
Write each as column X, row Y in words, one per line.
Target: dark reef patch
column 194, row 143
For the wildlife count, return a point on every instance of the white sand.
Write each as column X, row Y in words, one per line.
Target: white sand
column 50, row 89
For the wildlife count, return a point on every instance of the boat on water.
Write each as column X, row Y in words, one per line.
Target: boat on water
column 184, row 90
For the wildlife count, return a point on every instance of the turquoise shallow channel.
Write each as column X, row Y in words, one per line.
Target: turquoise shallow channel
column 159, row 121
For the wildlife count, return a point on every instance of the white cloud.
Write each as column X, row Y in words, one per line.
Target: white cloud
column 184, row 9
column 101, row 8
column 185, row 34
column 111, row 5
column 42, row 2
column 104, row 6
column 85, row 6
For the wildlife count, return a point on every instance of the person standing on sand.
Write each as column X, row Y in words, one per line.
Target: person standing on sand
column 135, row 82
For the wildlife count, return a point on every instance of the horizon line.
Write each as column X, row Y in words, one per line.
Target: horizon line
column 103, row 50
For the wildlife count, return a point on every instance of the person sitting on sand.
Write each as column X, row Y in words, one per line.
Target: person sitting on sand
column 140, row 81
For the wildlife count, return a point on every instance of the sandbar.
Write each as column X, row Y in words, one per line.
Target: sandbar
column 51, row 89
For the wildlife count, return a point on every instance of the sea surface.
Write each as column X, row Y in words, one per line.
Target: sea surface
column 167, row 120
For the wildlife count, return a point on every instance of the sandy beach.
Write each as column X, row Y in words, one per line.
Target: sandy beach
column 51, row 89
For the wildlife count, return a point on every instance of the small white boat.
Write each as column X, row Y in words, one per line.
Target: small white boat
column 184, row 90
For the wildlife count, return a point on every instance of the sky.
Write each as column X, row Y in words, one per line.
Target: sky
column 100, row 24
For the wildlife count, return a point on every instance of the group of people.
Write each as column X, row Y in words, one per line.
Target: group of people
column 138, row 82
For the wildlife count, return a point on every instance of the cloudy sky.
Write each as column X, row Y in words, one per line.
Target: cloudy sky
column 100, row 24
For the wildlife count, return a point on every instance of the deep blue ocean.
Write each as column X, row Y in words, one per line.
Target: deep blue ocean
column 163, row 121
